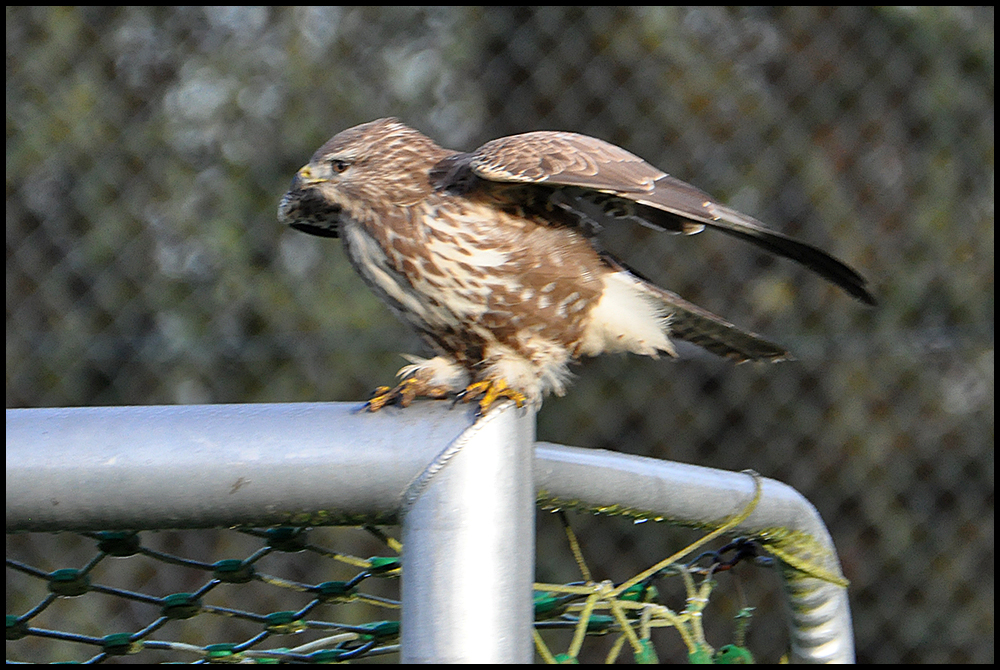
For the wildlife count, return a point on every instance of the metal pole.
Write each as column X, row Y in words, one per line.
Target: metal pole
column 217, row 466
column 469, row 547
column 105, row 468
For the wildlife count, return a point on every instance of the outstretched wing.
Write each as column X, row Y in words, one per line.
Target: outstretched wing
column 589, row 172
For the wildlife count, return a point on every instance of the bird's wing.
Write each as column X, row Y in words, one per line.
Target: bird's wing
column 565, row 159
column 593, row 172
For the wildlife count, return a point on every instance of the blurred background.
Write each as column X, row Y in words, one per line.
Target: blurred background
column 147, row 149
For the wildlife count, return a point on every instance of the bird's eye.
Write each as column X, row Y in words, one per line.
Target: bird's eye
column 339, row 166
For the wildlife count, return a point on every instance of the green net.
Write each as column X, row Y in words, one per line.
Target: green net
column 268, row 607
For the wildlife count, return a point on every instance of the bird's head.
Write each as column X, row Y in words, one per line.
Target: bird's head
column 360, row 171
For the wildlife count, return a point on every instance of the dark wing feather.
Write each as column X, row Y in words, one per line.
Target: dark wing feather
column 570, row 160
column 674, row 196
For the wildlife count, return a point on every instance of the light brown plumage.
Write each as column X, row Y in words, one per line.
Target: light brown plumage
column 488, row 254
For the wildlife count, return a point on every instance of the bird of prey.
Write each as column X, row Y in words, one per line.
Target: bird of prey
column 493, row 256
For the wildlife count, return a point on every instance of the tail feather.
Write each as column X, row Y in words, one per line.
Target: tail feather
column 691, row 323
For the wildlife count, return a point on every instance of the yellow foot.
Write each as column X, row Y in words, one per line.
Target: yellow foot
column 490, row 391
column 402, row 394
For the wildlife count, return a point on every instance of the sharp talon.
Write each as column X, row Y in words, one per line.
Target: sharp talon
column 379, row 399
column 402, row 394
column 490, row 392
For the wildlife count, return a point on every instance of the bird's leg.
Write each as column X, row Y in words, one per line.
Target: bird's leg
column 490, row 390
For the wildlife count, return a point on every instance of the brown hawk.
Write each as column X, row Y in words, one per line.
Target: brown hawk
column 491, row 255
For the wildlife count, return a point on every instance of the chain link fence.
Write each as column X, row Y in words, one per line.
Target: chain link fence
column 147, row 149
